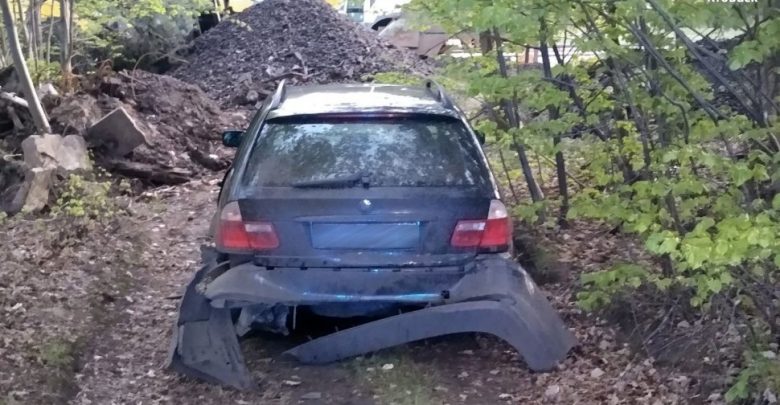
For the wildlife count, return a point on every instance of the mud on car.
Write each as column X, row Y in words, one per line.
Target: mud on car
column 359, row 200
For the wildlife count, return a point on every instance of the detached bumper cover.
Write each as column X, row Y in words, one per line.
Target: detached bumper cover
column 493, row 296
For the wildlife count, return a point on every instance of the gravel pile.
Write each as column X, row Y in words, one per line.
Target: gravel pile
column 241, row 60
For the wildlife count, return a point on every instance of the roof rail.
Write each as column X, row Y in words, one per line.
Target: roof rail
column 439, row 94
column 279, row 94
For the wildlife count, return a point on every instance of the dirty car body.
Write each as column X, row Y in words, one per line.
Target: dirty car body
column 359, row 200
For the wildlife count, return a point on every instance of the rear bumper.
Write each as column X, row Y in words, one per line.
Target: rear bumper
column 252, row 284
column 491, row 295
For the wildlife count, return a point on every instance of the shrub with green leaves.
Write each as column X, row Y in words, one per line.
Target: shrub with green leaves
column 641, row 102
column 85, row 199
column 131, row 31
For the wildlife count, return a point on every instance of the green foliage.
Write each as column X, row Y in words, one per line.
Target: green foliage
column 601, row 287
column 529, row 212
column 660, row 156
column 762, row 374
column 57, row 354
column 41, row 71
column 86, row 199
column 407, row 383
column 126, row 31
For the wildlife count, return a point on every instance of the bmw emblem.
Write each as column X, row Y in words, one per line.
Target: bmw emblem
column 365, row 205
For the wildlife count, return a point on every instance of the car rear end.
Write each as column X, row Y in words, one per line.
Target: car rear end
column 359, row 209
column 344, row 188
column 364, row 193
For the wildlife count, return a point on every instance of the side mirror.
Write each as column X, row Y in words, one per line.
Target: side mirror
column 232, row 139
column 480, row 137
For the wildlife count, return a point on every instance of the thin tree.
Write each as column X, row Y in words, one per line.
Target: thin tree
column 36, row 110
column 19, row 10
column 52, row 24
column 66, row 47
column 36, row 32
column 510, row 110
column 554, row 114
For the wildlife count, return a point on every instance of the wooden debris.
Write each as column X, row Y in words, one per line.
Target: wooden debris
column 153, row 174
column 14, row 99
column 14, row 118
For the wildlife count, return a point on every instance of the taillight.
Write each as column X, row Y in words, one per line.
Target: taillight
column 233, row 234
column 493, row 233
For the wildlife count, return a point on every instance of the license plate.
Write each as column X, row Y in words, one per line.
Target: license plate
column 404, row 235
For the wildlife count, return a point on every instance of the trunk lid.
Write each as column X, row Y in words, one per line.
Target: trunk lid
column 389, row 220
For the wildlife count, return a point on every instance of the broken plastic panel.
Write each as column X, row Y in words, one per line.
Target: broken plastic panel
column 493, row 295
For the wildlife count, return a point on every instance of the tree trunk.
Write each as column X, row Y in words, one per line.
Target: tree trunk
column 217, row 10
column 36, row 110
column 67, row 44
column 508, row 175
column 485, row 42
column 38, row 29
column 20, row 17
column 2, row 48
column 34, row 30
column 52, row 24
column 510, row 109
column 29, row 19
column 554, row 113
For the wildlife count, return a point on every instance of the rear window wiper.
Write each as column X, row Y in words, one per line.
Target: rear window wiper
column 337, row 182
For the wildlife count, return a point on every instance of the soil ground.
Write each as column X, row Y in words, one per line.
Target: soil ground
column 124, row 365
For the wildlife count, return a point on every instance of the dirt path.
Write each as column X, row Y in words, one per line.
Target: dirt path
column 126, row 362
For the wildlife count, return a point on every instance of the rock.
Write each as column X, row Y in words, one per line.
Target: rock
column 552, row 391
column 252, row 97
column 312, row 395
column 116, row 133
column 683, row 324
column 48, row 94
column 769, row 355
column 596, row 373
column 12, row 175
column 34, row 194
column 113, row 87
column 244, row 78
column 291, row 383
column 75, row 114
column 63, row 154
column 388, row 367
column 769, row 396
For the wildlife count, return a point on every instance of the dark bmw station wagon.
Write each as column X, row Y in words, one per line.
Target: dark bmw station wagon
column 359, row 201
column 355, row 172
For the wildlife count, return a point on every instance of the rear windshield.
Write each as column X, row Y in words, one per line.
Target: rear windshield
column 402, row 151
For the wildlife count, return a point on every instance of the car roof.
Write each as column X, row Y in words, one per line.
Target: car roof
column 360, row 98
